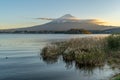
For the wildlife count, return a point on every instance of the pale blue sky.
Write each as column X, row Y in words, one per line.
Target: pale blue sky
column 19, row 13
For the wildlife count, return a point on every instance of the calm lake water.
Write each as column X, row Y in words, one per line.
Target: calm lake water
column 20, row 60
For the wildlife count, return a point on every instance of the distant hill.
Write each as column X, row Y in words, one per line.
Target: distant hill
column 113, row 30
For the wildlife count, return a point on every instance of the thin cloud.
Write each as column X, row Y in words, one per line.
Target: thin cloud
column 44, row 18
column 96, row 21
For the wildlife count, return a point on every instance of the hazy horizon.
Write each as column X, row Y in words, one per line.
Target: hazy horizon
column 18, row 14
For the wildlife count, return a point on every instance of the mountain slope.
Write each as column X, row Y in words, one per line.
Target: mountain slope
column 65, row 26
column 67, row 22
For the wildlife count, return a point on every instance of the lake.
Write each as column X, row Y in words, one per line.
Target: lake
column 20, row 60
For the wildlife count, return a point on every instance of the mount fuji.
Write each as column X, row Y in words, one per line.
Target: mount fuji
column 68, row 22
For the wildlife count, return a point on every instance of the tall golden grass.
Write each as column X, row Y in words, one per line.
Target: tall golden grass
column 91, row 51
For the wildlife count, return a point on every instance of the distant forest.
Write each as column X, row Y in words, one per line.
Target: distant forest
column 71, row 31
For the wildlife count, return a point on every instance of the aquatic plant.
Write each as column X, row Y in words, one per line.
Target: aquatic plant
column 116, row 77
column 86, row 51
column 93, row 51
column 49, row 54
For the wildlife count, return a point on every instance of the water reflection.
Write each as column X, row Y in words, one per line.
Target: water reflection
column 50, row 60
column 69, row 63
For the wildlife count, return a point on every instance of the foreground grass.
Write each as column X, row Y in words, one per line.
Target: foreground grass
column 86, row 51
column 113, row 42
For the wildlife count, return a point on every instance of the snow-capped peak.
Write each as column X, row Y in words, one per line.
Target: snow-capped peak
column 66, row 18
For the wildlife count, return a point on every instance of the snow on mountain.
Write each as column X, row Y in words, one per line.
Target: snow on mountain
column 66, row 18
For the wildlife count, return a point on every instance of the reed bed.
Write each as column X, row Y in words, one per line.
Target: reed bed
column 92, row 51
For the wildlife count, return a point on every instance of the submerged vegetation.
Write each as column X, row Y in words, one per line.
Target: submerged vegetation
column 86, row 52
column 116, row 77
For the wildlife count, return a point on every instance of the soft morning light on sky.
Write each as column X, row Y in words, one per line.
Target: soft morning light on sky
column 20, row 13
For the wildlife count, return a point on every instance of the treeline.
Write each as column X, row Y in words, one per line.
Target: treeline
column 71, row 31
